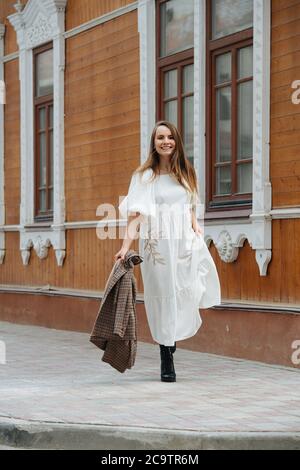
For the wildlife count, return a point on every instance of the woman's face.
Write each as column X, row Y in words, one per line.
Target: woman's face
column 164, row 142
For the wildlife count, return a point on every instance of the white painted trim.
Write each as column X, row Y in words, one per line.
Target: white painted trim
column 290, row 213
column 146, row 26
column 39, row 22
column 200, row 101
column 2, row 201
column 10, row 228
column 262, row 190
column 101, row 19
column 84, row 224
column 9, row 57
column 96, row 224
column 243, row 226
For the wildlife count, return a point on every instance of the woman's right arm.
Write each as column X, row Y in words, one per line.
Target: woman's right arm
column 131, row 233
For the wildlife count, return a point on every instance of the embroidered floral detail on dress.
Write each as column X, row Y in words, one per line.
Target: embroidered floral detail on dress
column 150, row 247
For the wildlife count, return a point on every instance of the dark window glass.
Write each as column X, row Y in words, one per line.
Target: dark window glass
column 43, row 103
column 231, row 16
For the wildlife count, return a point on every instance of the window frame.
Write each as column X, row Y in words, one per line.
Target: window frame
column 234, row 202
column 42, row 102
column 177, row 60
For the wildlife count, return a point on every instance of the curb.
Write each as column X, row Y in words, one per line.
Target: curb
column 72, row 436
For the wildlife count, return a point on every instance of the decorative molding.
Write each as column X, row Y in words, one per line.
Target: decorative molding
column 146, row 26
column 228, row 252
column 40, row 31
column 230, row 237
column 41, row 246
column 100, row 20
column 39, row 22
column 78, row 29
column 2, row 201
column 18, row 6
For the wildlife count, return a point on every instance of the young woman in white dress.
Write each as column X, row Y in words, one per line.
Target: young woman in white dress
column 178, row 272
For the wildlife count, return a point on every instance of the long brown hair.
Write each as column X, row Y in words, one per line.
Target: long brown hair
column 181, row 168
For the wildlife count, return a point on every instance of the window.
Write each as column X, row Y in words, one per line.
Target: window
column 175, row 67
column 229, row 103
column 43, row 112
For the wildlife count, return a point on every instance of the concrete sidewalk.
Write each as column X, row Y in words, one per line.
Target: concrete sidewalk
column 55, row 392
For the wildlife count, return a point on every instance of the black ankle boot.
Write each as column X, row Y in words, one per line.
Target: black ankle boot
column 167, row 366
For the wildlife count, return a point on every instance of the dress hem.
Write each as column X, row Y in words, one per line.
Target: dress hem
column 179, row 338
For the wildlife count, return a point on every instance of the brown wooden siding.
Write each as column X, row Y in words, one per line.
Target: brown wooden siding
column 241, row 280
column 102, row 126
column 79, row 12
column 87, row 264
column 102, row 119
column 285, row 116
column 12, row 143
column 89, row 261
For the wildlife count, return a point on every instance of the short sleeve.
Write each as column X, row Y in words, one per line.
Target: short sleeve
column 139, row 198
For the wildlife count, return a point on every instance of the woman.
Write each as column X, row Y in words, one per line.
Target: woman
column 179, row 274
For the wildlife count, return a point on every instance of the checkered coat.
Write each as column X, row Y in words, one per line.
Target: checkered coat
column 114, row 330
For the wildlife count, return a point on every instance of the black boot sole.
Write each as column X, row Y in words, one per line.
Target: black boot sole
column 168, row 379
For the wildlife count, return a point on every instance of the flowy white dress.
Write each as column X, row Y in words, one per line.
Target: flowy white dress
column 178, row 272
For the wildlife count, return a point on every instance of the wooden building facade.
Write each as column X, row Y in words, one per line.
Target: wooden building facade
column 85, row 81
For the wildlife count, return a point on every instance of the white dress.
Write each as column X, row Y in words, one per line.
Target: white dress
column 179, row 274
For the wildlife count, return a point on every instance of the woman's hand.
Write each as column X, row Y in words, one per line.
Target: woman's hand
column 121, row 254
column 197, row 229
column 195, row 226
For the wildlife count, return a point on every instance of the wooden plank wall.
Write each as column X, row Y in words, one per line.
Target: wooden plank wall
column 285, row 116
column 87, row 264
column 102, row 118
column 102, row 150
column 79, row 12
column 102, row 138
column 12, row 164
column 241, row 280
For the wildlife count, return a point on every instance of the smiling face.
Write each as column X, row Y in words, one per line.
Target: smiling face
column 164, row 142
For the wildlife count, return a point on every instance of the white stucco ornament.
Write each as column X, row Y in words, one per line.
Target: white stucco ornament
column 227, row 251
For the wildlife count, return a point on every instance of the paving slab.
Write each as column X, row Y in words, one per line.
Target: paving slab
column 55, row 392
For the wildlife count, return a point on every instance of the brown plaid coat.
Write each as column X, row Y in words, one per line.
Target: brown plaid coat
column 114, row 330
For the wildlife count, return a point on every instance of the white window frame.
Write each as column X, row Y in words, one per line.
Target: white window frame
column 2, row 204
column 228, row 235
column 39, row 22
